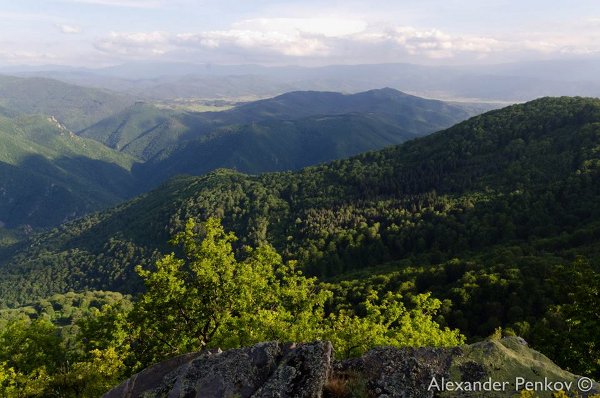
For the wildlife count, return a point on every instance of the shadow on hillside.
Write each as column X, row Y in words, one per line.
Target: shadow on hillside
column 43, row 193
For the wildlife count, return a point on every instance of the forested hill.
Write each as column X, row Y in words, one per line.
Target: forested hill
column 287, row 132
column 413, row 113
column 74, row 106
column 49, row 175
column 481, row 214
column 299, row 129
column 52, row 171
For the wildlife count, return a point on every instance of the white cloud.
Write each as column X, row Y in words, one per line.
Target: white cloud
column 281, row 40
column 68, row 29
column 18, row 56
column 434, row 43
column 274, row 42
column 294, row 37
column 134, row 44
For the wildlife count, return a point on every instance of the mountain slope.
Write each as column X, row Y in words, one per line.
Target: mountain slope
column 49, row 167
column 74, row 106
column 514, row 186
column 275, row 145
column 413, row 113
column 49, row 175
column 144, row 130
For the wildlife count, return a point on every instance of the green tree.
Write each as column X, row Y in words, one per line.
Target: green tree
column 388, row 322
column 210, row 298
column 29, row 352
column 102, row 370
column 569, row 332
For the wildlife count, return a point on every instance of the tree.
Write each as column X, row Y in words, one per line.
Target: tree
column 29, row 352
column 569, row 332
column 388, row 322
column 209, row 297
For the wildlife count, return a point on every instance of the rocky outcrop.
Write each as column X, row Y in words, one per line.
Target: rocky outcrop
column 391, row 372
column 269, row 370
column 266, row 370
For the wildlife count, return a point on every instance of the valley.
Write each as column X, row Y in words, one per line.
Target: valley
column 51, row 160
column 475, row 222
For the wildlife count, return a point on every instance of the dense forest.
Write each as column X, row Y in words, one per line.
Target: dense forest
column 80, row 345
column 67, row 151
column 496, row 217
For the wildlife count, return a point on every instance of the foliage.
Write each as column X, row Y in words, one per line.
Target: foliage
column 570, row 331
column 45, row 349
column 389, row 323
column 209, row 298
column 483, row 215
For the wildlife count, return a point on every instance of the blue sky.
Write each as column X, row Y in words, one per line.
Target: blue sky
column 308, row 32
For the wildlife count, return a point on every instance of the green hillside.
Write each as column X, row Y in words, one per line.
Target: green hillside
column 496, row 216
column 51, row 174
column 74, row 106
column 143, row 130
column 146, row 131
column 48, row 174
column 275, row 145
column 470, row 187
column 413, row 113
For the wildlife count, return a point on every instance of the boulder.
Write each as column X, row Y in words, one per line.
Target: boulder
column 266, row 370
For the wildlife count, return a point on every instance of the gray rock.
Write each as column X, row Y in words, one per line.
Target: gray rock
column 266, row 370
column 303, row 373
column 406, row 372
column 149, row 378
column 277, row 370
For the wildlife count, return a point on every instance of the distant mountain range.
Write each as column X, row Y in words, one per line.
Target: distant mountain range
column 287, row 132
column 67, row 150
column 506, row 82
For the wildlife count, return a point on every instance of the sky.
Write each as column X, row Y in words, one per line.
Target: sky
column 97, row 33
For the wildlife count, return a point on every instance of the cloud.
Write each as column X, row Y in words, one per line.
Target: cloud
column 68, row 29
column 433, row 43
column 293, row 37
column 248, row 40
column 134, row 44
column 19, row 56
column 328, row 40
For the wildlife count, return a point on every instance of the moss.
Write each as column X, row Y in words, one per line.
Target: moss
column 505, row 360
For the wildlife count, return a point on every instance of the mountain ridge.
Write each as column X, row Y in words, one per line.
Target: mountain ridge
column 141, row 145
column 74, row 106
column 472, row 157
